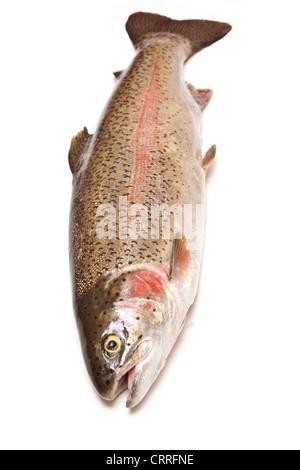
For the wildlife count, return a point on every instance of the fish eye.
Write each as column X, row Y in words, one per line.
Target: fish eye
column 112, row 344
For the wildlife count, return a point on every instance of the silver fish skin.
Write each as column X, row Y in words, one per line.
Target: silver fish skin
column 132, row 293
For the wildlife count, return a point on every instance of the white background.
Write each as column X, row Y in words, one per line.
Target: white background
column 232, row 381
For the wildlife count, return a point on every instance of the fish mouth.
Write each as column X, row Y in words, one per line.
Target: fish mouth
column 129, row 382
column 129, row 372
column 126, row 381
column 132, row 385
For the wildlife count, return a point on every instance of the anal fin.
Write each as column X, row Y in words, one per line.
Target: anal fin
column 78, row 144
column 202, row 96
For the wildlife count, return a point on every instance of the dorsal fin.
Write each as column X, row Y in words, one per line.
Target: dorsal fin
column 200, row 33
column 201, row 95
column 78, row 144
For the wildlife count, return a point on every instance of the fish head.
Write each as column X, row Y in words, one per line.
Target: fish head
column 128, row 349
column 133, row 345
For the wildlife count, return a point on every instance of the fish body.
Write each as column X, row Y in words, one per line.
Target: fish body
column 132, row 285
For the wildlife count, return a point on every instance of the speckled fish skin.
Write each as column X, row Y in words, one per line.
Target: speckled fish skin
column 147, row 149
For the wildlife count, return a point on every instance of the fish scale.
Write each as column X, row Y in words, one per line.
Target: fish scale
column 107, row 164
column 146, row 150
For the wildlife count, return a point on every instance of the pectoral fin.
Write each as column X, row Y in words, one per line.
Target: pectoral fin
column 78, row 144
column 181, row 258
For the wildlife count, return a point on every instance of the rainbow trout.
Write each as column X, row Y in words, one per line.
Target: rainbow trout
column 138, row 185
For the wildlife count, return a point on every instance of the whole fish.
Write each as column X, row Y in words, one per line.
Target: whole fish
column 132, row 178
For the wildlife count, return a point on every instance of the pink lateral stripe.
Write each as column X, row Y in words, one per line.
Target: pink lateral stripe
column 145, row 132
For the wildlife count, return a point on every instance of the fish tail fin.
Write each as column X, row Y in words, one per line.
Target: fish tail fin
column 200, row 33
